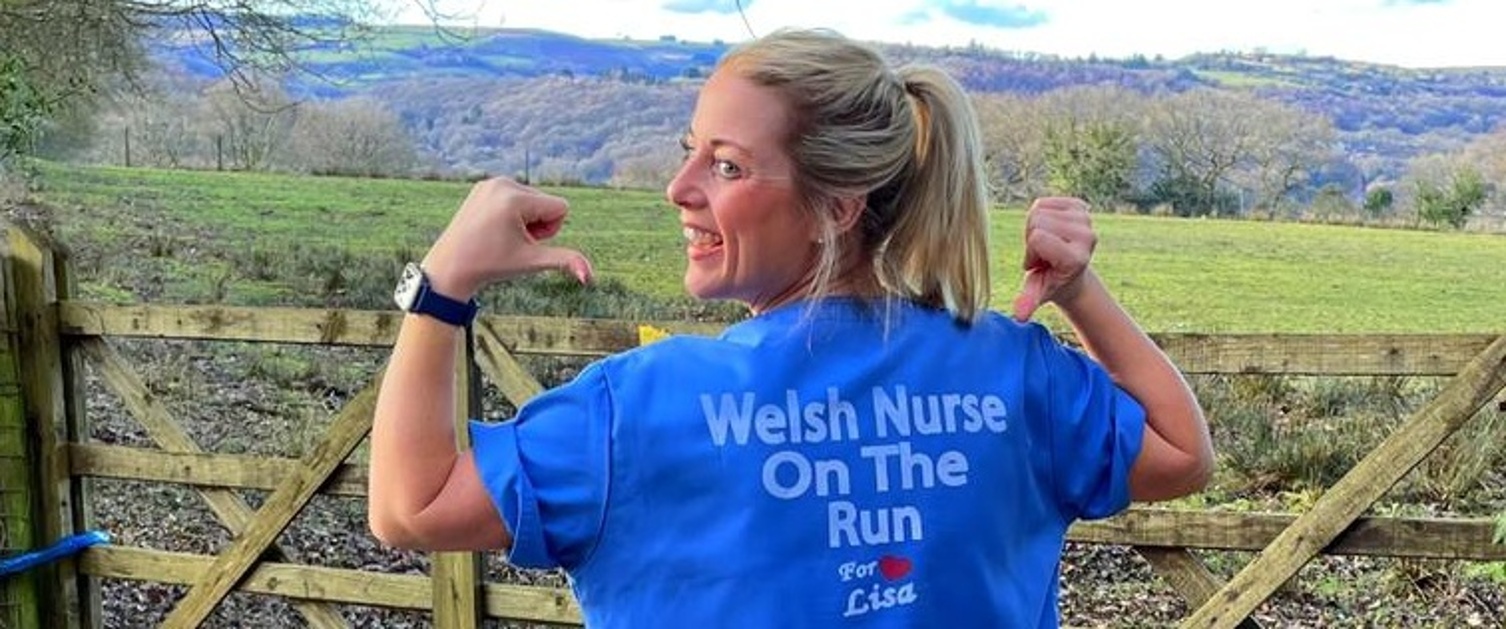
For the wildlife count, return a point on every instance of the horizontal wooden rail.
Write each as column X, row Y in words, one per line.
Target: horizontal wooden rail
column 1298, row 354
column 1431, row 538
column 1324, row 354
column 530, row 335
column 1434, row 538
column 202, row 469
column 334, row 585
column 286, row 325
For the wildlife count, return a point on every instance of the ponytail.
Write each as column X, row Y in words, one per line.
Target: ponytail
column 937, row 251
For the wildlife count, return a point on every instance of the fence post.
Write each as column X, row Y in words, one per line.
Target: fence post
column 33, row 287
column 20, row 603
column 89, row 605
column 457, row 576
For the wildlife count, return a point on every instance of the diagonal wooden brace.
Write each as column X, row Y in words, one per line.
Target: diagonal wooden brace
column 1187, row 575
column 510, row 377
column 1477, row 383
column 316, row 468
column 233, row 512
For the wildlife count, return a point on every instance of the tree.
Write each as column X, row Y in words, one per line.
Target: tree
column 1212, row 147
column 1014, row 139
column 358, row 137
column 1092, row 144
column 1091, row 160
column 1331, row 201
column 1197, row 138
column 1288, row 146
column 67, row 51
column 1451, row 203
column 250, row 124
column 650, row 170
column 1487, row 155
column 22, row 109
column 161, row 124
column 1379, row 201
column 161, row 133
column 63, row 48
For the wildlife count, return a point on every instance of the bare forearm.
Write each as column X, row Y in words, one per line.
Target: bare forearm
column 424, row 492
column 1138, row 366
column 412, row 437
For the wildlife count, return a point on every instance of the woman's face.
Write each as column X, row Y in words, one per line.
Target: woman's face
column 747, row 238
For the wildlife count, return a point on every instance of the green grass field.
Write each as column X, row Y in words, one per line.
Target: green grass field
column 1243, row 79
column 202, row 232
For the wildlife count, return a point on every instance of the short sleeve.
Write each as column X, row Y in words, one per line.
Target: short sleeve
column 547, row 471
column 1096, row 432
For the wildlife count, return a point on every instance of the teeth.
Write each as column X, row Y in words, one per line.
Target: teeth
column 701, row 237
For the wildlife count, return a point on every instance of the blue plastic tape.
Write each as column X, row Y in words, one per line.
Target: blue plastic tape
column 63, row 548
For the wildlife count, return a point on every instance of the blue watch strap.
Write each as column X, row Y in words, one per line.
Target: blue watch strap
column 415, row 294
column 451, row 311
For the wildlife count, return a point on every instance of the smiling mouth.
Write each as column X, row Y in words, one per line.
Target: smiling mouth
column 701, row 239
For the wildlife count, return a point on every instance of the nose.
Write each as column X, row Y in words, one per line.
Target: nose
column 684, row 191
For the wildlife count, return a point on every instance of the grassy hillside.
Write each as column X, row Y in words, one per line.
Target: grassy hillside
column 271, row 239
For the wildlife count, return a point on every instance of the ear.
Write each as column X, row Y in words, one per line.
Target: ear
column 847, row 211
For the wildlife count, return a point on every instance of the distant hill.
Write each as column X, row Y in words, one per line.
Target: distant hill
column 462, row 92
column 411, row 52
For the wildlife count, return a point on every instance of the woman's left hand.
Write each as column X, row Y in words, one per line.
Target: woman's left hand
column 1059, row 243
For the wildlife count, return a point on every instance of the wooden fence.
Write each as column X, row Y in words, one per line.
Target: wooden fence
column 49, row 337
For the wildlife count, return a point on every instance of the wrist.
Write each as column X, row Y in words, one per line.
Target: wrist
column 418, row 292
column 446, row 280
column 1075, row 298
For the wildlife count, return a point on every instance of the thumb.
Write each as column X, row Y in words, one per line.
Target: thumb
column 1029, row 299
column 544, row 215
column 563, row 259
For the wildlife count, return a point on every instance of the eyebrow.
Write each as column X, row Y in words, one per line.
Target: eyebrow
column 716, row 142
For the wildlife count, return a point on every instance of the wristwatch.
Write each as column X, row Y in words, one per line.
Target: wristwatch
column 414, row 294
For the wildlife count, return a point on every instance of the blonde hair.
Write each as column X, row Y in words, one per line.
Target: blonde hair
column 907, row 139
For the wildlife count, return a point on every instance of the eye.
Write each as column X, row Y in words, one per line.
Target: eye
column 685, row 148
column 726, row 169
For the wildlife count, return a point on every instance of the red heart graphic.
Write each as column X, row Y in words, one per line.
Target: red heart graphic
column 893, row 568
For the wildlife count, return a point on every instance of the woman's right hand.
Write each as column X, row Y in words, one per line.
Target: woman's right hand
column 499, row 233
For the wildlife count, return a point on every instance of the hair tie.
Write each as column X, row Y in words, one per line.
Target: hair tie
column 921, row 113
column 911, row 87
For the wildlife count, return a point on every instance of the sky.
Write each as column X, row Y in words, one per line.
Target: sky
column 1410, row 33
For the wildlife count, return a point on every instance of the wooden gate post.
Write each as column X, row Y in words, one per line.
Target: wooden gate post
column 20, row 604
column 457, row 575
column 33, row 293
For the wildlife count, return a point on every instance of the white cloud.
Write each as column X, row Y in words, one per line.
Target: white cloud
column 1433, row 33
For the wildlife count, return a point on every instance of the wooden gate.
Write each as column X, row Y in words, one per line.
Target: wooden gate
column 50, row 337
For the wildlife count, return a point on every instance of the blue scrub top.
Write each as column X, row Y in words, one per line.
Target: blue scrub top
column 832, row 464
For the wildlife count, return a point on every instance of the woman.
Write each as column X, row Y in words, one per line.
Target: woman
column 872, row 447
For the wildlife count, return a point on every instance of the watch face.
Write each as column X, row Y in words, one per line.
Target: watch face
column 407, row 287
